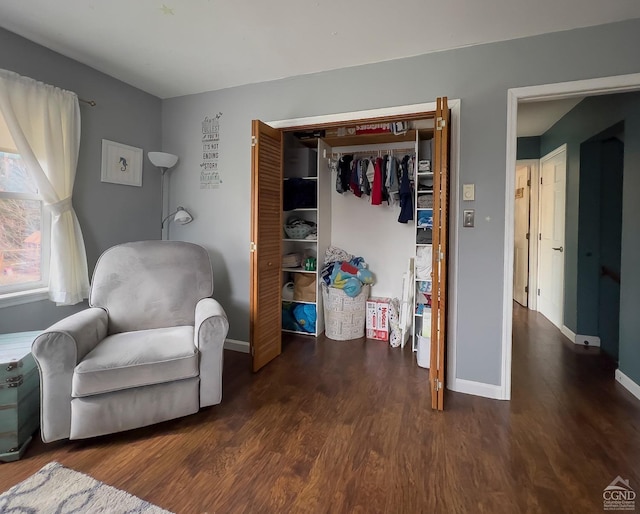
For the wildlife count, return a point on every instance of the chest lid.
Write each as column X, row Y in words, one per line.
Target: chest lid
column 15, row 353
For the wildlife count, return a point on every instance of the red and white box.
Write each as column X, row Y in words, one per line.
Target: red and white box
column 378, row 318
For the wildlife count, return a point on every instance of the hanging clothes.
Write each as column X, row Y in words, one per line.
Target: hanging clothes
column 406, row 193
column 376, row 189
column 344, row 169
column 354, row 182
column 365, row 184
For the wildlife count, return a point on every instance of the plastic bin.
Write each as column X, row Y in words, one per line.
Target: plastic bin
column 423, row 354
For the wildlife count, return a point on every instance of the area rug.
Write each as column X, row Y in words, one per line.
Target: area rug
column 56, row 489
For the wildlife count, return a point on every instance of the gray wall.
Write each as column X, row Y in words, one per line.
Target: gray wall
column 528, row 148
column 108, row 213
column 479, row 76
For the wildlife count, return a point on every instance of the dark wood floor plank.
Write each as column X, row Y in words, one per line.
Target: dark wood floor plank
column 346, row 427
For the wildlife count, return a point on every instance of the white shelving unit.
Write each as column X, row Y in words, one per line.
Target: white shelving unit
column 423, row 188
column 299, row 166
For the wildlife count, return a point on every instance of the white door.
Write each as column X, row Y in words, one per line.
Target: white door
column 551, row 249
column 521, row 240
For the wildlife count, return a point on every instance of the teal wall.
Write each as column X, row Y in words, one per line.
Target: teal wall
column 528, row 148
column 589, row 118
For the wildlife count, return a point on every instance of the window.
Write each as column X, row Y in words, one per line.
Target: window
column 24, row 229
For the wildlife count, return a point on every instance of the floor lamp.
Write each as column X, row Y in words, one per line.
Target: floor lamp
column 164, row 162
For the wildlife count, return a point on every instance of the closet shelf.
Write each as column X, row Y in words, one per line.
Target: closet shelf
column 424, row 244
column 303, row 178
column 300, row 240
column 298, row 301
column 297, row 270
column 304, row 209
column 425, row 191
column 425, row 173
column 363, row 139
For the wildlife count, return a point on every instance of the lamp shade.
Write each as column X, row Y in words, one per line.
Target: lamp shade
column 162, row 159
column 182, row 216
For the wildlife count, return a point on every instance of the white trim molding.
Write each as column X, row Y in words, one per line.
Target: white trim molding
column 588, row 87
column 568, row 333
column 236, row 346
column 460, row 385
column 584, row 340
column 628, row 384
column 26, row 296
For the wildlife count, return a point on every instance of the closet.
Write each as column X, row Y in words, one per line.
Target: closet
column 281, row 161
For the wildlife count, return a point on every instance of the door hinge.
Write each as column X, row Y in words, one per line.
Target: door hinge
column 254, row 141
column 526, row 289
column 529, row 182
column 324, row 153
column 538, row 292
column 252, row 246
column 527, row 235
column 440, row 123
column 540, row 237
column 437, row 385
column 540, row 180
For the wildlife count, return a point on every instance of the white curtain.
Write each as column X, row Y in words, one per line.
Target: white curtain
column 44, row 122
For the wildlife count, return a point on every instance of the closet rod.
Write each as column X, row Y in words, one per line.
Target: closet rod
column 377, row 153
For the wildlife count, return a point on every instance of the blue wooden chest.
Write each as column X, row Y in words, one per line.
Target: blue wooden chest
column 19, row 394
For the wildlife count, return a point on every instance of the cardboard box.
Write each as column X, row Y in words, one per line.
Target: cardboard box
column 377, row 322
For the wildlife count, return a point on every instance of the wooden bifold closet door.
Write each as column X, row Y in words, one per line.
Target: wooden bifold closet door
column 266, row 241
column 440, row 239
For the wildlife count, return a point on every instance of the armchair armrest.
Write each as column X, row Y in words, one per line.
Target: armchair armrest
column 210, row 331
column 57, row 351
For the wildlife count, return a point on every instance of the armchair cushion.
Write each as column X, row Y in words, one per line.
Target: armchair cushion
column 134, row 359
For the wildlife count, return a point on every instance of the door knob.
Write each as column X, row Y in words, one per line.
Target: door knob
column 560, row 249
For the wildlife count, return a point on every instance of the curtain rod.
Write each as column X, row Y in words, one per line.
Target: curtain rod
column 92, row 103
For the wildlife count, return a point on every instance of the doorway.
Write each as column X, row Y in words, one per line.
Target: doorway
column 593, row 87
column 262, row 149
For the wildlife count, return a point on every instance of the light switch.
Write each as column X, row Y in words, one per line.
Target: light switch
column 468, row 192
column 468, row 217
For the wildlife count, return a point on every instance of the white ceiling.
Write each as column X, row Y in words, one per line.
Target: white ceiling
column 188, row 46
column 535, row 118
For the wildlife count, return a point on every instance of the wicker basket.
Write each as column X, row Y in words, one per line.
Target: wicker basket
column 344, row 317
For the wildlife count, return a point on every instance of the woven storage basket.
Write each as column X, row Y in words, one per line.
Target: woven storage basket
column 344, row 317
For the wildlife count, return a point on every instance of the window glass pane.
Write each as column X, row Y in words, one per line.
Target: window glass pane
column 20, row 248
column 13, row 175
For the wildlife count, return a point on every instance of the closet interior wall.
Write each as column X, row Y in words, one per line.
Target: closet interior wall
column 373, row 231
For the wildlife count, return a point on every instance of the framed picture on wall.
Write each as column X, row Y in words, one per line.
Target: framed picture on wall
column 121, row 164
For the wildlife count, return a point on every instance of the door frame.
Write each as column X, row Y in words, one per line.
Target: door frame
column 557, row 91
column 454, row 165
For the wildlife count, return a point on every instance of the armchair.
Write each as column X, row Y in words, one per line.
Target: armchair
column 149, row 348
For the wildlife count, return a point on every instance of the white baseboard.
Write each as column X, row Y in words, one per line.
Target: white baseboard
column 476, row 388
column 592, row 340
column 568, row 333
column 236, row 346
column 628, row 384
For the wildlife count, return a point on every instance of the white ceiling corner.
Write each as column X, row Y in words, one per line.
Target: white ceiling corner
column 178, row 47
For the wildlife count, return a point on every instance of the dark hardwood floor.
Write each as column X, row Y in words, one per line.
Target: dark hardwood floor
column 347, row 427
